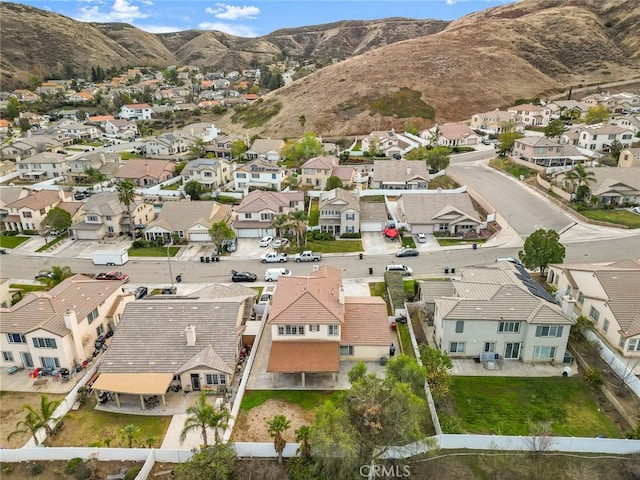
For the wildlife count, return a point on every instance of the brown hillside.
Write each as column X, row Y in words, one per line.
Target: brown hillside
column 478, row 63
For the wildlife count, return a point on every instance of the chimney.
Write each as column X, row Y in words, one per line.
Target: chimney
column 408, row 171
column 341, row 296
column 190, row 333
column 71, row 322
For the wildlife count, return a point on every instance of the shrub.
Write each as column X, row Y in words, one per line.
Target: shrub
column 72, row 465
column 37, row 469
column 132, row 473
column 350, row 235
column 593, row 377
column 395, row 287
column 83, row 472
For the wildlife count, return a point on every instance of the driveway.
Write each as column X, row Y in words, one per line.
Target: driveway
column 376, row 243
column 248, row 248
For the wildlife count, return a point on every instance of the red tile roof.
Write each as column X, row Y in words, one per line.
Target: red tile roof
column 312, row 357
column 365, row 322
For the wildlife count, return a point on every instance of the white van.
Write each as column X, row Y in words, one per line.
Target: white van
column 402, row 269
column 272, row 274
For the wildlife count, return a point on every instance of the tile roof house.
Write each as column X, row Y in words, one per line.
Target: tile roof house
column 452, row 135
column 314, row 326
column 438, row 212
column 146, row 172
column 534, row 115
column 257, row 210
column 317, row 170
column 547, row 152
column 27, row 213
column 137, row 111
column 210, row 172
column 339, row 212
column 105, row 216
column 606, row 293
column 499, row 309
column 400, row 175
column 616, row 186
column 385, row 142
column 193, row 340
column 259, row 174
column 190, row 221
column 629, row 157
column 120, row 128
column 495, row 122
column 79, row 131
column 58, row 328
column 220, row 146
column 165, row 145
column 599, row 137
column 105, row 163
column 266, row 149
column 42, row 166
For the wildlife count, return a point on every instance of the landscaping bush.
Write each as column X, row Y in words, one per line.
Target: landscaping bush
column 132, row 473
column 226, row 200
column 83, row 472
column 140, row 243
column 10, row 233
column 395, row 287
column 351, row 235
column 37, row 469
column 318, row 235
column 594, row 377
column 72, row 465
column 29, row 232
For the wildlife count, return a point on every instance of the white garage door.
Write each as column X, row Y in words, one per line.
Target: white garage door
column 371, row 226
column 421, row 229
column 199, row 237
column 249, row 233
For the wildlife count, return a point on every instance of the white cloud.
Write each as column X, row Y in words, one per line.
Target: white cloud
column 160, row 28
column 121, row 11
column 451, row 2
column 237, row 30
column 233, row 12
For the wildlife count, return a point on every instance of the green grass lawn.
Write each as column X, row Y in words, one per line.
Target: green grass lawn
column 173, row 186
column 620, row 217
column 28, row 288
column 153, row 252
column 306, row 399
column 314, row 212
column 405, row 339
column 87, row 426
column 408, row 242
column 515, row 406
column 514, row 169
column 7, row 241
column 129, row 155
column 445, row 242
column 443, row 182
column 334, row 246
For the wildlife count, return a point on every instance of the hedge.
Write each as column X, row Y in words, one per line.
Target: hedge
column 395, row 289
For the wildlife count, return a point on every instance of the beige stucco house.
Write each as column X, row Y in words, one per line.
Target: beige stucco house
column 399, row 175
column 257, row 210
column 439, row 212
column 339, row 212
column 547, row 152
column 629, row 157
column 210, row 172
column 27, row 213
column 187, row 220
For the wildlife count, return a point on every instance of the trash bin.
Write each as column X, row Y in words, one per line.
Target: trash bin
column 178, row 278
column 383, row 361
column 360, row 255
column 453, row 270
column 475, row 246
column 446, row 270
column 215, row 259
column 370, row 270
column 207, row 259
column 202, row 259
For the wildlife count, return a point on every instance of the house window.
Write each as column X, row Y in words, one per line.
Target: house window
column 241, row 175
column 273, row 176
column 109, row 218
column 110, row 229
column 351, row 216
column 247, row 215
column 26, row 214
column 266, row 216
column 580, row 298
column 212, row 378
column 460, row 326
column 549, row 331
column 100, row 329
column 7, row 356
column 255, row 175
column 544, row 352
column 16, row 338
column 621, row 343
column 346, row 350
column 605, row 325
column 509, row 327
column 44, row 342
column 314, row 328
column 92, row 218
column 290, row 330
column 49, row 362
column 334, row 330
column 443, row 227
column 207, row 174
column 634, row 345
column 456, row 347
column 595, row 314
column 92, row 316
column 350, row 229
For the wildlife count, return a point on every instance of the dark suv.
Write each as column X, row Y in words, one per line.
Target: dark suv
column 141, row 292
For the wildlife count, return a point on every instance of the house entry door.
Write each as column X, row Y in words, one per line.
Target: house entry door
column 512, row 351
column 27, row 361
column 195, row 382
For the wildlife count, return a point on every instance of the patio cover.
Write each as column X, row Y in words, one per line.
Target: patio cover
column 309, row 357
column 134, row 383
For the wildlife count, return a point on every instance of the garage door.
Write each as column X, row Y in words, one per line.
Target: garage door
column 199, row 237
column 371, row 226
column 421, row 229
column 249, row 233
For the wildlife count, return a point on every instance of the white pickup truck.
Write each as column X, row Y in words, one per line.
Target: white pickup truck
column 274, row 257
column 308, row 256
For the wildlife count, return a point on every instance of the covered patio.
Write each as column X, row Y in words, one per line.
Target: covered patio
column 304, row 357
column 140, row 385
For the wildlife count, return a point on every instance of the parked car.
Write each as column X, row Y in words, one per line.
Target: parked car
column 231, row 245
column 408, row 252
column 3, row 251
column 243, row 276
column 141, row 292
column 403, row 269
column 280, row 242
column 421, row 238
column 43, row 274
column 113, row 276
column 266, row 240
column 636, row 210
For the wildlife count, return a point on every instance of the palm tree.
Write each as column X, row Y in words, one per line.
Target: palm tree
column 276, row 426
column 31, row 424
column 302, row 437
column 127, row 195
column 130, row 434
column 44, row 415
column 203, row 415
column 299, row 219
column 56, row 275
column 580, row 177
column 278, row 223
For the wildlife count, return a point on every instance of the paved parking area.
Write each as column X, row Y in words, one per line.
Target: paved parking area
column 376, row 243
column 249, row 248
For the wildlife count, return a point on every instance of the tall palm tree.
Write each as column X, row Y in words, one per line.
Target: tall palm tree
column 276, row 426
column 299, row 219
column 130, row 434
column 203, row 415
column 127, row 195
column 56, row 275
column 580, row 177
column 302, row 437
column 44, row 414
column 31, row 424
column 278, row 223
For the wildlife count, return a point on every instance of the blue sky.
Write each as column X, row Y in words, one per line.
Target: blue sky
column 253, row 18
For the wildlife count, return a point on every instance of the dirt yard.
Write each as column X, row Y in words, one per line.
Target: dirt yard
column 253, row 427
column 55, row 470
column 11, row 412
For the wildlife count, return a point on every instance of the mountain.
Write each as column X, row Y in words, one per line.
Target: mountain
column 480, row 62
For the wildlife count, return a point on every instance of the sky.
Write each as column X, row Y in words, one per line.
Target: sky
column 253, row 18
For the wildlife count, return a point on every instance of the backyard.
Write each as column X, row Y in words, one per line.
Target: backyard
column 12, row 413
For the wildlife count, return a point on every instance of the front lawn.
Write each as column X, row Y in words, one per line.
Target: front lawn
column 58, row 239
column 619, row 217
column 306, row 399
column 334, row 246
column 7, row 241
column 153, row 251
column 87, row 427
column 408, row 242
column 314, row 212
column 514, row 169
column 446, row 242
column 517, row 406
column 129, row 155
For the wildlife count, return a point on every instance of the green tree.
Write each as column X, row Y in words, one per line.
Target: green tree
column 615, row 148
column 129, row 434
column 94, row 175
column 580, row 177
column 220, row 232
column 298, row 220
column 540, row 249
column 44, row 414
column 13, row 108
column 276, row 426
column 57, row 219
column 554, row 129
column 126, row 190
column 197, row 148
column 279, row 223
column 419, row 153
column 216, row 462
column 57, row 275
column 333, row 182
column 203, row 415
column 582, row 325
column 238, row 147
column 31, row 424
column 597, row 114
column 194, row 189
column 302, row 120
column 404, row 369
column 438, row 159
column 302, row 437
column 434, row 137
column 506, row 141
column 24, row 124
column 180, row 166
column 437, row 364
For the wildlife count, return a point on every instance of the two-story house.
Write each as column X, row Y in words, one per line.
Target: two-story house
column 267, row 149
column 495, row 122
column 439, row 212
column 136, row 111
column 187, row 220
column 599, row 137
column 57, row 328
column 500, row 309
column 211, row 173
column 79, row 131
column 220, row 146
column 532, row 115
column 314, row 325
column 339, row 212
column 146, row 172
column 547, row 152
column 317, row 170
column 27, row 212
column 605, row 293
column 43, row 166
column 165, row 145
column 259, row 174
column 399, row 175
column 106, row 163
column 254, row 215
column 120, row 128
column 629, row 157
column 382, row 142
column 452, row 135
column 104, row 216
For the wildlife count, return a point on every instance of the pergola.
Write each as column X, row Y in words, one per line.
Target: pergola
column 304, row 357
column 141, row 384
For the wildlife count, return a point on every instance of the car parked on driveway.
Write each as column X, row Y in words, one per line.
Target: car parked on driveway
column 243, row 276
column 636, row 210
column 113, row 276
column 266, row 241
column 43, row 274
column 402, row 269
column 408, row 252
column 140, row 292
column 421, row 238
column 280, row 242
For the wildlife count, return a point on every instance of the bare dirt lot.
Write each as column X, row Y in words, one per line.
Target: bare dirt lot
column 11, row 412
column 252, row 427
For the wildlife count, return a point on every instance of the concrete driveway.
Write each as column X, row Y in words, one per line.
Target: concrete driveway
column 376, row 243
